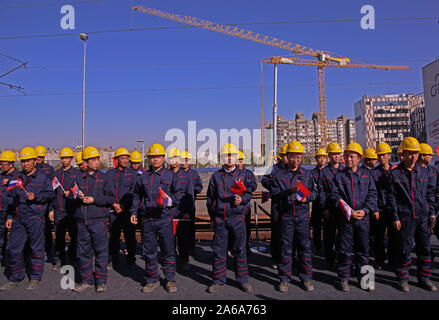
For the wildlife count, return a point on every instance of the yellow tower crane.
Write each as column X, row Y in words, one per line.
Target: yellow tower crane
column 324, row 58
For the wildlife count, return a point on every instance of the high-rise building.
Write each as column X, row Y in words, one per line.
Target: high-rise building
column 417, row 117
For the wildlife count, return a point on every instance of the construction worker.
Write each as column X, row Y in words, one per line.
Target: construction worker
column 413, row 207
column 294, row 216
column 157, row 218
column 62, row 210
column 94, row 196
column 29, row 200
column 355, row 186
column 227, row 213
column 82, row 165
column 329, row 211
column 50, row 172
column 251, row 181
column 380, row 221
column 316, row 214
column 267, row 183
column 136, row 162
column 8, row 174
column 400, row 154
column 185, row 231
column 425, row 157
column 370, row 158
column 122, row 179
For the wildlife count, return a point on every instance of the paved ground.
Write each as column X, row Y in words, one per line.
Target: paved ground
column 126, row 283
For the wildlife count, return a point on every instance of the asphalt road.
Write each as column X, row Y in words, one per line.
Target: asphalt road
column 125, row 283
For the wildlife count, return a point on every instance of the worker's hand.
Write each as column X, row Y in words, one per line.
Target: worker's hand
column 303, row 200
column 51, row 215
column 88, row 200
column 238, row 200
column 397, row 225
column 326, row 214
column 117, row 208
column 432, row 222
column 80, row 195
column 133, row 219
column 66, row 193
column 31, row 196
column 5, row 181
column 9, row 224
column 186, row 216
column 376, row 215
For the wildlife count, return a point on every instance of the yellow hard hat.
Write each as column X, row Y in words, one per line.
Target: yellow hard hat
column 229, row 148
column 240, row 155
column 370, row 153
column 66, row 152
column 8, row 156
column 355, row 147
column 186, row 155
column 121, row 152
column 410, row 144
column 295, row 146
column 156, row 149
column 173, row 152
column 41, row 151
column 135, row 157
column 334, row 147
column 283, row 150
column 28, row 153
column 383, row 148
column 399, row 150
column 321, row 152
column 90, row 152
column 426, row 149
column 78, row 158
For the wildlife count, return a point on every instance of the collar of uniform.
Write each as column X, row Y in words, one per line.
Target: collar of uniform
column 11, row 173
column 403, row 167
column 299, row 169
column 359, row 170
column 159, row 172
column 33, row 175
column 93, row 175
column 231, row 172
column 68, row 170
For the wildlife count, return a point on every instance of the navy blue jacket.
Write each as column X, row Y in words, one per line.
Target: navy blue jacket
column 220, row 200
column 357, row 189
column 288, row 204
column 411, row 193
column 122, row 182
column 146, row 191
column 98, row 186
column 267, row 183
column 5, row 208
column 37, row 183
column 47, row 169
column 316, row 176
column 381, row 179
column 187, row 201
column 60, row 203
column 326, row 177
column 251, row 182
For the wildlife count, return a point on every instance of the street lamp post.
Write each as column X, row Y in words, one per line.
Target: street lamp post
column 84, row 38
column 143, row 152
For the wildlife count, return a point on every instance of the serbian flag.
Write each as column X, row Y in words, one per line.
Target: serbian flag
column 14, row 184
column 265, row 196
column 163, row 199
column 75, row 191
column 238, row 188
column 140, row 172
column 55, row 183
column 347, row 211
column 302, row 192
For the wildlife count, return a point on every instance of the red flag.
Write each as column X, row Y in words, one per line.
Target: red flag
column 114, row 162
column 163, row 199
column 174, row 225
column 437, row 150
column 238, row 187
column 302, row 192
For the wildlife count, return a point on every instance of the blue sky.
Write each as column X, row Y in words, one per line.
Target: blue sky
column 175, row 62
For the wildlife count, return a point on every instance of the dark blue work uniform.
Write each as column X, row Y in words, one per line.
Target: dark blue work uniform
column 228, row 218
column 316, row 214
column 358, row 190
column 50, row 172
column 378, row 227
column 5, row 208
column 122, row 181
column 412, row 202
column 275, row 242
column 28, row 224
column 295, row 220
column 92, row 226
column 64, row 209
column 252, row 183
column 191, row 183
column 157, row 221
column 330, row 223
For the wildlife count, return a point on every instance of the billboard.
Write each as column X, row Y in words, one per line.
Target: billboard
column 430, row 75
